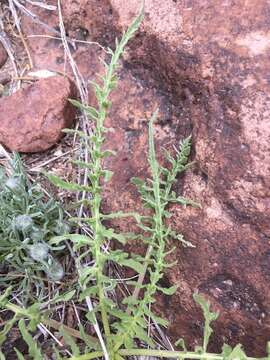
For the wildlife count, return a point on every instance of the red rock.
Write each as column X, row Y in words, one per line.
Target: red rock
column 3, row 55
column 32, row 119
column 205, row 65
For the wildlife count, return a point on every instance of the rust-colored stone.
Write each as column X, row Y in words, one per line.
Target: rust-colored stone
column 32, row 119
column 205, row 65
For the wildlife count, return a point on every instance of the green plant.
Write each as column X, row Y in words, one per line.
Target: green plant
column 27, row 221
column 124, row 323
column 120, row 324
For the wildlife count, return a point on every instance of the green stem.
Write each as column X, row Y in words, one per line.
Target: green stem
column 171, row 180
column 97, row 225
column 158, row 353
column 158, row 237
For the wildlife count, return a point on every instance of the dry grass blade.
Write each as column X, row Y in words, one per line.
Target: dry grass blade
column 82, row 87
column 9, row 49
column 42, row 5
column 34, row 17
column 18, row 26
column 84, row 98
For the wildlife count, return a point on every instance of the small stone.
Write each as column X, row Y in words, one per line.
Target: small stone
column 3, row 55
column 32, row 119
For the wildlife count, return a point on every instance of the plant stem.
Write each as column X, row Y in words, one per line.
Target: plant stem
column 170, row 181
column 96, row 215
column 158, row 236
column 158, row 353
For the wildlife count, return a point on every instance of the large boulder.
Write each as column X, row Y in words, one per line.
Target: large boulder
column 205, row 65
column 32, row 119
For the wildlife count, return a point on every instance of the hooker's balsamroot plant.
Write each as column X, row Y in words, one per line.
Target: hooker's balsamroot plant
column 121, row 325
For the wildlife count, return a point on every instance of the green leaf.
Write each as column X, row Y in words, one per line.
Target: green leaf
column 8, row 326
column 90, row 315
column 268, row 348
column 119, row 314
column 141, row 334
column 181, row 344
column 121, row 214
column 110, row 234
column 34, row 351
column 168, row 291
column 75, row 238
column 130, row 300
column 137, row 181
column 90, row 111
column 4, row 296
column 64, row 297
column 226, row 351
column 69, row 340
column 237, row 353
column 89, row 291
column 157, row 319
column 133, row 264
column 107, row 175
column 107, row 153
column 70, row 186
column 184, row 201
column 92, row 345
column 118, row 357
column 19, row 354
column 208, row 316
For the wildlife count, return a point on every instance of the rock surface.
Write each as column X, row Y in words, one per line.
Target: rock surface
column 32, row 119
column 205, row 65
column 3, row 55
